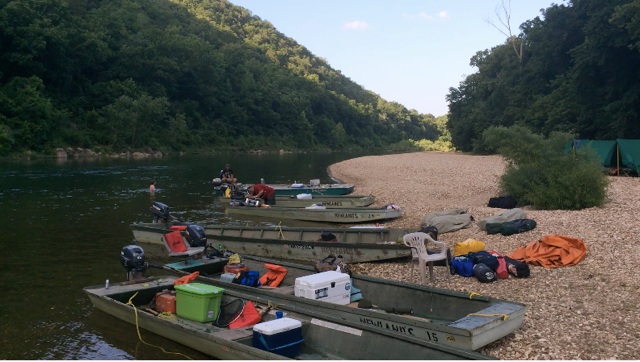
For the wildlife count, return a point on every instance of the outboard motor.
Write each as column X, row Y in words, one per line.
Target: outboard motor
column 237, row 195
column 160, row 212
column 196, row 236
column 132, row 259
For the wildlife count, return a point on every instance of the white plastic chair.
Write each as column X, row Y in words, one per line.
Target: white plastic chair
column 416, row 241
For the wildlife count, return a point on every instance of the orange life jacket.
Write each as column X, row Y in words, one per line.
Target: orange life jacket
column 274, row 276
column 187, row 278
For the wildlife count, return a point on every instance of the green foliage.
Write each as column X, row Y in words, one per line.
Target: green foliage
column 177, row 74
column 540, row 173
column 579, row 74
column 442, row 144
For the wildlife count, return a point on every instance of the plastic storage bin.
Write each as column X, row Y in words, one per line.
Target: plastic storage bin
column 329, row 286
column 198, row 302
column 280, row 336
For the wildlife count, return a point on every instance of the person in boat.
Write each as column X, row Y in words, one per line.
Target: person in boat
column 226, row 175
column 264, row 192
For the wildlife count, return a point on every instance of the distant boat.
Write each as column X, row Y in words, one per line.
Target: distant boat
column 345, row 216
column 303, row 244
column 324, row 336
column 332, row 202
column 327, row 189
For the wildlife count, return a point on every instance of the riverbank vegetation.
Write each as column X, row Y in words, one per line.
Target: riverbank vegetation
column 576, row 69
column 541, row 173
column 120, row 75
column 442, row 144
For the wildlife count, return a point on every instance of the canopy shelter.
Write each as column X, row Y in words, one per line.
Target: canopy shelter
column 629, row 153
column 606, row 150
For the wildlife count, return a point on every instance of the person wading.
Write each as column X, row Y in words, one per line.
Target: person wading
column 264, row 192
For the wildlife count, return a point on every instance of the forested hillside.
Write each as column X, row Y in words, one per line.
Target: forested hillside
column 176, row 74
column 579, row 72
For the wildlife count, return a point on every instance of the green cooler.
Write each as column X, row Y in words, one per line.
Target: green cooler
column 198, row 302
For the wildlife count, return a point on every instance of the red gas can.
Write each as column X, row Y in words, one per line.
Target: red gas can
column 166, row 302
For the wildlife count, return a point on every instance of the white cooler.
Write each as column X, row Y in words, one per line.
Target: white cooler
column 330, row 286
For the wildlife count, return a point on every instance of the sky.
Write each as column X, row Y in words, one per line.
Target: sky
column 407, row 51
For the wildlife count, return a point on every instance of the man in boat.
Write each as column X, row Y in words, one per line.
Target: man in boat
column 264, row 192
column 226, row 175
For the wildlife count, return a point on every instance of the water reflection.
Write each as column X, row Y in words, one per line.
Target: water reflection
column 66, row 223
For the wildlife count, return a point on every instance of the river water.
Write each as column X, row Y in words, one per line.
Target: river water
column 66, row 223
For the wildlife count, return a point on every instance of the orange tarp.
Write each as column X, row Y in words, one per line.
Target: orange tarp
column 187, row 278
column 552, row 251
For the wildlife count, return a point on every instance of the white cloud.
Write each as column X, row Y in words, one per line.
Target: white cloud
column 443, row 15
column 425, row 16
column 356, row 25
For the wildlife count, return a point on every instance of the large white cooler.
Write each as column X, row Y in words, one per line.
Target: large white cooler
column 329, row 286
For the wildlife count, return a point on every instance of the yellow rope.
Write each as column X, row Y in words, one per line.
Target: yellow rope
column 504, row 316
column 138, row 329
column 472, row 294
column 280, row 228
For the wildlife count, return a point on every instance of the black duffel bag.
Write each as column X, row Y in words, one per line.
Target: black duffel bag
column 502, row 202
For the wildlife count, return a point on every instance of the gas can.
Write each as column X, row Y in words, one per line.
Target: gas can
column 166, row 302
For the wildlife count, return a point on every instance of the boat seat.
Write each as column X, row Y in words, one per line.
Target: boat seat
column 235, row 334
column 288, row 290
column 178, row 247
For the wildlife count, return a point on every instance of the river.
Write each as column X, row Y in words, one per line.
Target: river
column 66, row 223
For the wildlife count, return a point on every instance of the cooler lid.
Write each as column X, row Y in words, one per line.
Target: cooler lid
column 199, row 289
column 322, row 278
column 277, row 326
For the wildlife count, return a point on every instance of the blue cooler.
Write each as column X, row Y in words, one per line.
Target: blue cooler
column 280, row 336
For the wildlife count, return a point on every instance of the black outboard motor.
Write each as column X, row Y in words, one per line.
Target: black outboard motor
column 237, row 195
column 132, row 259
column 160, row 212
column 196, row 236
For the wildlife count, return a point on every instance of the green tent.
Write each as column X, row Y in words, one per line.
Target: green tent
column 606, row 150
column 629, row 154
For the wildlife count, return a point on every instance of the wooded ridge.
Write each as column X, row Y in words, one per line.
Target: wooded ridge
column 118, row 75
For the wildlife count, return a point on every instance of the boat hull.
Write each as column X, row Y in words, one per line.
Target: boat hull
column 345, row 339
column 332, row 202
column 322, row 190
column 446, row 313
column 344, row 216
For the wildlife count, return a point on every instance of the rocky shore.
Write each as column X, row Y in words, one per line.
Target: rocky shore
column 588, row 311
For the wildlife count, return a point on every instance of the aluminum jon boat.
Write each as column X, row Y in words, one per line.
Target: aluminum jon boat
column 345, row 216
column 438, row 315
column 322, row 190
column 333, row 202
column 302, row 244
column 325, row 336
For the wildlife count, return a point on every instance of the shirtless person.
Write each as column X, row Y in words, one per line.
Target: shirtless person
column 152, row 187
column 264, row 192
column 226, row 175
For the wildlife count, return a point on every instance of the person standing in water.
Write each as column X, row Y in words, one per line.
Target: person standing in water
column 264, row 192
column 152, row 187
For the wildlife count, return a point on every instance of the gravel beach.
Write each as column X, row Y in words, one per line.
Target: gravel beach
column 587, row 311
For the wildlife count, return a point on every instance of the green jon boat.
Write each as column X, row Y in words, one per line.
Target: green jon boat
column 345, row 216
column 333, row 202
column 439, row 315
column 356, row 245
column 325, row 336
column 322, row 190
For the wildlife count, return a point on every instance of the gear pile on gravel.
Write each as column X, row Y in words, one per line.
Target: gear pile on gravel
column 587, row 311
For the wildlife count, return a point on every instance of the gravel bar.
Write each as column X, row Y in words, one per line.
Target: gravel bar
column 587, row 311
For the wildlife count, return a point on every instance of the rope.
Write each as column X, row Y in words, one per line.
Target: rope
column 280, row 228
column 472, row 294
column 504, row 316
column 138, row 330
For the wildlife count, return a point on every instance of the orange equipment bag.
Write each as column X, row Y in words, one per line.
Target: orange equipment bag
column 274, row 276
column 249, row 317
column 187, row 278
column 178, row 227
column 234, row 268
column 175, row 242
column 166, row 302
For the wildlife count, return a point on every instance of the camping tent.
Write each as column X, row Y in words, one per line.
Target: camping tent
column 606, row 150
column 629, row 153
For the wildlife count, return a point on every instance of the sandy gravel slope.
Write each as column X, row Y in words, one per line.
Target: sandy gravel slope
column 589, row 311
